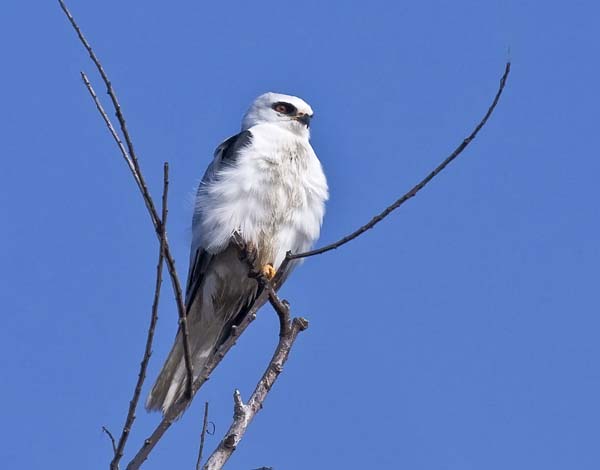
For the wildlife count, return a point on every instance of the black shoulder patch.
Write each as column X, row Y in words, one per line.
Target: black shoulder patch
column 230, row 148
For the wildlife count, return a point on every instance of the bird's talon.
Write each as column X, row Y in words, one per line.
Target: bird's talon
column 268, row 271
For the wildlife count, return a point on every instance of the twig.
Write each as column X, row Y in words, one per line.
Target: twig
column 281, row 307
column 135, row 169
column 244, row 413
column 378, row 218
column 133, row 164
column 114, row 465
column 202, row 436
column 111, row 437
column 108, row 123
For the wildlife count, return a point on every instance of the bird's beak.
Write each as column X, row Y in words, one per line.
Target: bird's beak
column 304, row 119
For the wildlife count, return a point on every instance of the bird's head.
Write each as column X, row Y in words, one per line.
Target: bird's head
column 289, row 112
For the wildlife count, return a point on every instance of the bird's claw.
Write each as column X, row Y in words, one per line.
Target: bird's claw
column 268, row 271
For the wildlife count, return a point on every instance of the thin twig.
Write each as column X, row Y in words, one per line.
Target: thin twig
column 111, row 437
column 133, row 164
column 281, row 307
column 114, row 465
column 202, row 437
column 378, row 218
column 109, row 88
column 108, row 123
column 244, row 413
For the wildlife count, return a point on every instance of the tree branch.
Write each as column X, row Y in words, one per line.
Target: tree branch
column 244, row 413
column 111, row 437
column 413, row 192
column 114, row 465
column 135, row 170
column 133, row 164
column 109, row 124
column 202, row 436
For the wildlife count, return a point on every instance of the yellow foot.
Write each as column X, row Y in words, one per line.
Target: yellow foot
column 268, row 271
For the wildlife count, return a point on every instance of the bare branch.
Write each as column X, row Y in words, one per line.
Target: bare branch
column 108, row 123
column 378, row 218
column 133, row 164
column 202, row 436
column 111, row 437
column 207, row 370
column 114, row 465
column 281, row 307
column 135, row 170
column 244, row 413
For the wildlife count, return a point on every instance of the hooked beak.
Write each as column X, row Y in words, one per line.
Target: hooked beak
column 304, row 119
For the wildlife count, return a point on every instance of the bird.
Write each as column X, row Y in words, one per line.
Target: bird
column 267, row 185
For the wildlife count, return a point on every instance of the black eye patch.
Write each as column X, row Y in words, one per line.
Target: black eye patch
column 284, row 108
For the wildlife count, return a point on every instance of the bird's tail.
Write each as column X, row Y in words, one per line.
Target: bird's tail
column 210, row 316
column 170, row 386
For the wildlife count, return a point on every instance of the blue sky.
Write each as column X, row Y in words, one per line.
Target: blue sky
column 462, row 333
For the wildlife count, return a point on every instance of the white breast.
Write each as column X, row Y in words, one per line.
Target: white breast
column 274, row 194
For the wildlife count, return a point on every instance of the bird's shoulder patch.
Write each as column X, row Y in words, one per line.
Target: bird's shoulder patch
column 228, row 151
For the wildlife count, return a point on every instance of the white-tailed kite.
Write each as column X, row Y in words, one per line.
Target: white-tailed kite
column 266, row 183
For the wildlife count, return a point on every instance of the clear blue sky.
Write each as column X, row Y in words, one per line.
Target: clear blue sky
column 460, row 334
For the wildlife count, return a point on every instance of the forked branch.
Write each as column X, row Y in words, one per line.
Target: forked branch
column 244, row 412
column 134, row 167
column 202, row 437
column 114, row 464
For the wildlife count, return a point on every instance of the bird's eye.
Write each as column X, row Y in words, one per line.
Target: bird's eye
column 284, row 108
